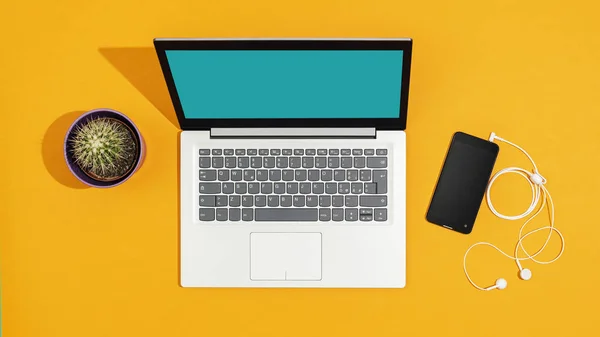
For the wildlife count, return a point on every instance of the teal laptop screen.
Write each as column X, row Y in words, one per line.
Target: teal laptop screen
column 254, row 84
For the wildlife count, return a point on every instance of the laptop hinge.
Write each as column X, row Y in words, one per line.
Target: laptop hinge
column 293, row 132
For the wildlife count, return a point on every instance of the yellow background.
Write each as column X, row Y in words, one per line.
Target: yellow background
column 86, row 262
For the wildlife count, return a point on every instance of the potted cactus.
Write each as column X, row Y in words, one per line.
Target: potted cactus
column 103, row 148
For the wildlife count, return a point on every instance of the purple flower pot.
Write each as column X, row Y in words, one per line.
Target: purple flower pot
column 107, row 113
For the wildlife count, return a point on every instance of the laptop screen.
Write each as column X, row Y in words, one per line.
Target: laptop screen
column 276, row 84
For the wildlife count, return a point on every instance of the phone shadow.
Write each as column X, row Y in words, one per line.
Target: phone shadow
column 140, row 66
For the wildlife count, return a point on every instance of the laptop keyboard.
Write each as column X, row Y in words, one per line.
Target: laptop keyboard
column 293, row 185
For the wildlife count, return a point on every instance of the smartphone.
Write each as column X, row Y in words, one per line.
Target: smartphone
column 462, row 182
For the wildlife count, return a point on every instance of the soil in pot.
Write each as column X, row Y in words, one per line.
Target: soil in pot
column 104, row 148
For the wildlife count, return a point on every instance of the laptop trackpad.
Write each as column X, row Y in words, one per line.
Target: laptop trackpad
column 285, row 256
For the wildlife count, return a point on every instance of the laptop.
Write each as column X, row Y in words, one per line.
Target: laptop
column 293, row 160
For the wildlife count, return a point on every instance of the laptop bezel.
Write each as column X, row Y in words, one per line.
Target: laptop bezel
column 399, row 123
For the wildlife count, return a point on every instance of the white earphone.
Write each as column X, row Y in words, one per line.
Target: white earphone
column 537, row 182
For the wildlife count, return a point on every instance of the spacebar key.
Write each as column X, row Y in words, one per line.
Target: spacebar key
column 279, row 214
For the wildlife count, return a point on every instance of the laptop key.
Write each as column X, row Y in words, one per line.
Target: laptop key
column 326, row 175
column 240, row 152
column 305, row 188
column 241, row 188
column 221, row 201
column 249, row 175
column 324, row 214
column 366, row 217
column 207, row 175
column 230, row 162
column 346, row 162
column 286, row 201
column 370, row 188
column 298, row 152
column 337, row 214
column 337, row 201
column 275, row 152
column 366, row 211
column 351, row 201
column 380, row 214
column 359, row 162
column 266, row 188
column 318, row 188
column 204, row 162
column 223, row 175
column 234, row 214
column 274, row 175
column 279, row 188
column 260, row 201
column 295, row 162
column 331, row 188
column 313, row 175
column 253, row 188
column 256, row 162
column 243, row 162
column 381, row 152
column 357, row 152
column 282, row 162
column 221, row 214
column 320, row 162
column 273, row 200
column 247, row 214
column 204, row 152
column 263, row 152
column 299, row 201
column 288, row 175
column 333, row 162
column 210, row 188
column 262, row 175
column 293, row 214
column 334, row 152
column 365, row 175
column 269, row 162
column 351, row 214
column 339, row 175
column 228, row 188
column 217, row 152
column 208, row 200
column 380, row 178
column 236, row 175
column 322, row 152
column 228, row 152
column 234, row 201
column 300, row 175
column 369, row 152
column 352, row 175
column 356, row 188
column 247, row 201
column 286, row 152
column 312, row 201
column 308, row 162
column 252, row 152
column 311, row 152
column 376, row 162
column 373, row 200
column 344, row 188
column 292, row 188
column 217, row 162
column 346, row 152
column 207, row 214
column 325, row 201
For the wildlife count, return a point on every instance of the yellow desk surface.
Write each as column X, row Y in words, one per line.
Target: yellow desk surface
column 86, row 262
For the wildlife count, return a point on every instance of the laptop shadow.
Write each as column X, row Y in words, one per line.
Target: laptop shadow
column 140, row 66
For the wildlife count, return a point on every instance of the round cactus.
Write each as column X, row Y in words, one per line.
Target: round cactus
column 103, row 147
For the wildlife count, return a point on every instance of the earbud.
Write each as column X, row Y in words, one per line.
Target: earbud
column 500, row 284
column 525, row 274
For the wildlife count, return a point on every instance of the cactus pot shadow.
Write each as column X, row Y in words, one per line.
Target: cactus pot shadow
column 103, row 148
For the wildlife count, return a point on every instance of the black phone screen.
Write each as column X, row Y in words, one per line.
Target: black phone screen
column 462, row 182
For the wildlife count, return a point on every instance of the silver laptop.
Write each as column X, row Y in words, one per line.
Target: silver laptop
column 293, row 160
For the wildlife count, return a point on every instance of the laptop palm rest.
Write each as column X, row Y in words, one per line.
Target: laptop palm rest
column 285, row 256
